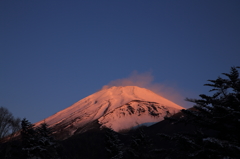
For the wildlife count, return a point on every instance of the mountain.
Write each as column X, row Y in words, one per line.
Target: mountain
column 117, row 108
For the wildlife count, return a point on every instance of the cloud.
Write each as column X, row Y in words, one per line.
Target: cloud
column 135, row 79
column 146, row 80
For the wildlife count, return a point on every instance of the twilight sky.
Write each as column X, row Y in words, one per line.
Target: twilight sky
column 54, row 53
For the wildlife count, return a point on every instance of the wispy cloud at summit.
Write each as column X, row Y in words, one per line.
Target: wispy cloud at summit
column 146, row 80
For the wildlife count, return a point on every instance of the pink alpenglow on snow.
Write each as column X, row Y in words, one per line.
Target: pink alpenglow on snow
column 117, row 108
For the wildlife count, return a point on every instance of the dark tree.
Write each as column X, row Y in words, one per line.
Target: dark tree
column 140, row 146
column 37, row 142
column 46, row 142
column 29, row 139
column 113, row 145
column 8, row 124
column 217, row 117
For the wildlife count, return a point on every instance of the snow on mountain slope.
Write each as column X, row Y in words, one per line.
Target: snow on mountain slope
column 102, row 104
column 135, row 113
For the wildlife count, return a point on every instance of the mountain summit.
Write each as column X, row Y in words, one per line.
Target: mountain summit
column 117, row 108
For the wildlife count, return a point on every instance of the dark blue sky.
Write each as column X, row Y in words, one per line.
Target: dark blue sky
column 54, row 53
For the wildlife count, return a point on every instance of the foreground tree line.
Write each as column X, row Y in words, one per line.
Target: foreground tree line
column 217, row 121
column 30, row 143
column 215, row 118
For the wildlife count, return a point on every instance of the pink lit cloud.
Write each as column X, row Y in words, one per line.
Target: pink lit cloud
column 146, row 80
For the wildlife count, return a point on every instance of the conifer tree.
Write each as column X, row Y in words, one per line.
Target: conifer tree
column 217, row 117
column 140, row 146
column 113, row 145
column 29, row 139
column 38, row 142
column 46, row 142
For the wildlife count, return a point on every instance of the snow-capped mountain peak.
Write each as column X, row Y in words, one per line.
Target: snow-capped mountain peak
column 107, row 106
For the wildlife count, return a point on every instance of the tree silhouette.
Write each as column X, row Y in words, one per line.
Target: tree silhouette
column 218, row 119
column 29, row 139
column 46, row 142
column 140, row 147
column 113, row 145
column 37, row 142
column 8, row 124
